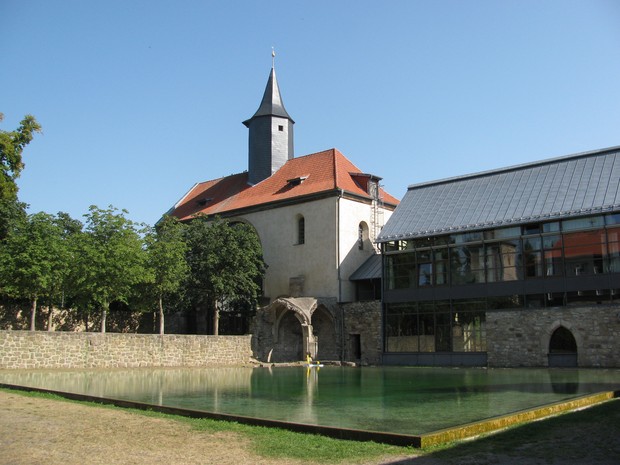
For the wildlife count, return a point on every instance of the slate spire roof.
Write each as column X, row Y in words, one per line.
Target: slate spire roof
column 326, row 173
column 271, row 104
column 571, row 186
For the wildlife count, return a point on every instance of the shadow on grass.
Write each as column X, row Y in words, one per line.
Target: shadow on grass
column 590, row 436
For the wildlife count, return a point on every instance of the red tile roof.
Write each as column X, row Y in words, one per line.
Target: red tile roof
column 322, row 172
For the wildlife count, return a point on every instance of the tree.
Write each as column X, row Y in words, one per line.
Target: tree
column 69, row 229
column 110, row 258
column 12, row 144
column 34, row 260
column 166, row 249
column 226, row 263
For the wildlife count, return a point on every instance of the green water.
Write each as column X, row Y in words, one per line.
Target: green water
column 403, row 400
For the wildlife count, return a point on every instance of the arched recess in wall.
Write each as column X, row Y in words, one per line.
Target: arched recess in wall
column 288, row 331
column 562, row 348
column 289, row 339
column 324, row 328
column 362, row 235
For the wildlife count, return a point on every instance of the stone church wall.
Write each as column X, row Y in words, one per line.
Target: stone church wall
column 39, row 349
column 521, row 337
column 362, row 328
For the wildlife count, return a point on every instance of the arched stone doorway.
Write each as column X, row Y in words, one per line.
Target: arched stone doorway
column 289, row 327
column 562, row 348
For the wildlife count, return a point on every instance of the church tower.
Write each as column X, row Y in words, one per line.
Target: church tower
column 271, row 134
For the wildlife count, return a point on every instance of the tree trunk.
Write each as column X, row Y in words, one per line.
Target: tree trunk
column 104, row 314
column 50, row 317
column 216, row 319
column 33, row 313
column 161, row 315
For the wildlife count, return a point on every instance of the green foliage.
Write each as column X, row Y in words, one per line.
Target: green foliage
column 34, row 259
column 226, row 263
column 110, row 258
column 166, row 262
column 12, row 144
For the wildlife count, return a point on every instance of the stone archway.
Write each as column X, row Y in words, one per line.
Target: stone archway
column 562, row 345
column 290, row 327
column 288, row 341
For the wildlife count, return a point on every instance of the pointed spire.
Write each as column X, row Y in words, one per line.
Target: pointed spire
column 270, row 138
column 271, row 104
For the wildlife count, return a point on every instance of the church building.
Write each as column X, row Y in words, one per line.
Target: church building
column 317, row 217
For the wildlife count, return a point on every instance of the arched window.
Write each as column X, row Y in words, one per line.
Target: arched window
column 301, row 230
column 362, row 235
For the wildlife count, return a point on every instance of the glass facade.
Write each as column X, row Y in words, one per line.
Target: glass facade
column 509, row 254
column 534, row 265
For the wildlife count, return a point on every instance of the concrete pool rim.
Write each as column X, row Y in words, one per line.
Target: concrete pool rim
column 442, row 436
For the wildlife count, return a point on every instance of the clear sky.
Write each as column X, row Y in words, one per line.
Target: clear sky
column 141, row 99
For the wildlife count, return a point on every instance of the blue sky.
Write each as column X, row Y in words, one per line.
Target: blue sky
column 141, row 99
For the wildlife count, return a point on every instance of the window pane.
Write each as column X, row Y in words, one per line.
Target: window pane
column 467, row 264
column 401, row 332
column 553, row 262
column 503, row 261
column 552, row 242
column 551, row 227
column 443, row 330
column 503, row 233
column 533, row 264
column 532, row 243
column 469, row 332
column 400, row 271
column 613, row 218
column 584, row 252
column 612, row 262
column 583, row 223
column 427, row 332
column 425, row 268
column 466, row 237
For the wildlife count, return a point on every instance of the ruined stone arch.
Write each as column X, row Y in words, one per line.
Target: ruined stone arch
column 284, row 305
column 297, row 326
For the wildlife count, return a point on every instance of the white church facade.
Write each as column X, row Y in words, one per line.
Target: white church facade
column 317, row 217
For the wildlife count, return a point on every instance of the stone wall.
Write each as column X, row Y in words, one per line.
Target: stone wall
column 363, row 319
column 37, row 349
column 521, row 337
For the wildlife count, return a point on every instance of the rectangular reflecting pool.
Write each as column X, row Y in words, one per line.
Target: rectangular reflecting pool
column 400, row 400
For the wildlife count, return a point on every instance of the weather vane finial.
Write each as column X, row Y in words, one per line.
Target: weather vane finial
column 273, row 57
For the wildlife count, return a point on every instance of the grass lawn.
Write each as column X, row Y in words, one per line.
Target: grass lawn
column 589, row 436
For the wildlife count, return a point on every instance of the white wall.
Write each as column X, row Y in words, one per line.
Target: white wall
column 316, row 260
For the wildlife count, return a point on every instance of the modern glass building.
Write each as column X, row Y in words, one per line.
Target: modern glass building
column 479, row 268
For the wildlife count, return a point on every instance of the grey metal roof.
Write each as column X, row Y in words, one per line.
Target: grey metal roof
column 575, row 185
column 370, row 269
column 271, row 104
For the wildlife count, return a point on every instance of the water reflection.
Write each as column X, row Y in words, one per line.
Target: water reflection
column 392, row 399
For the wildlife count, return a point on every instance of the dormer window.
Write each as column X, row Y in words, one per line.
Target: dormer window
column 296, row 181
column 202, row 202
column 367, row 182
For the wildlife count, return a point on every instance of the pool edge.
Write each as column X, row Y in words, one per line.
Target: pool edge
column 465, row 431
